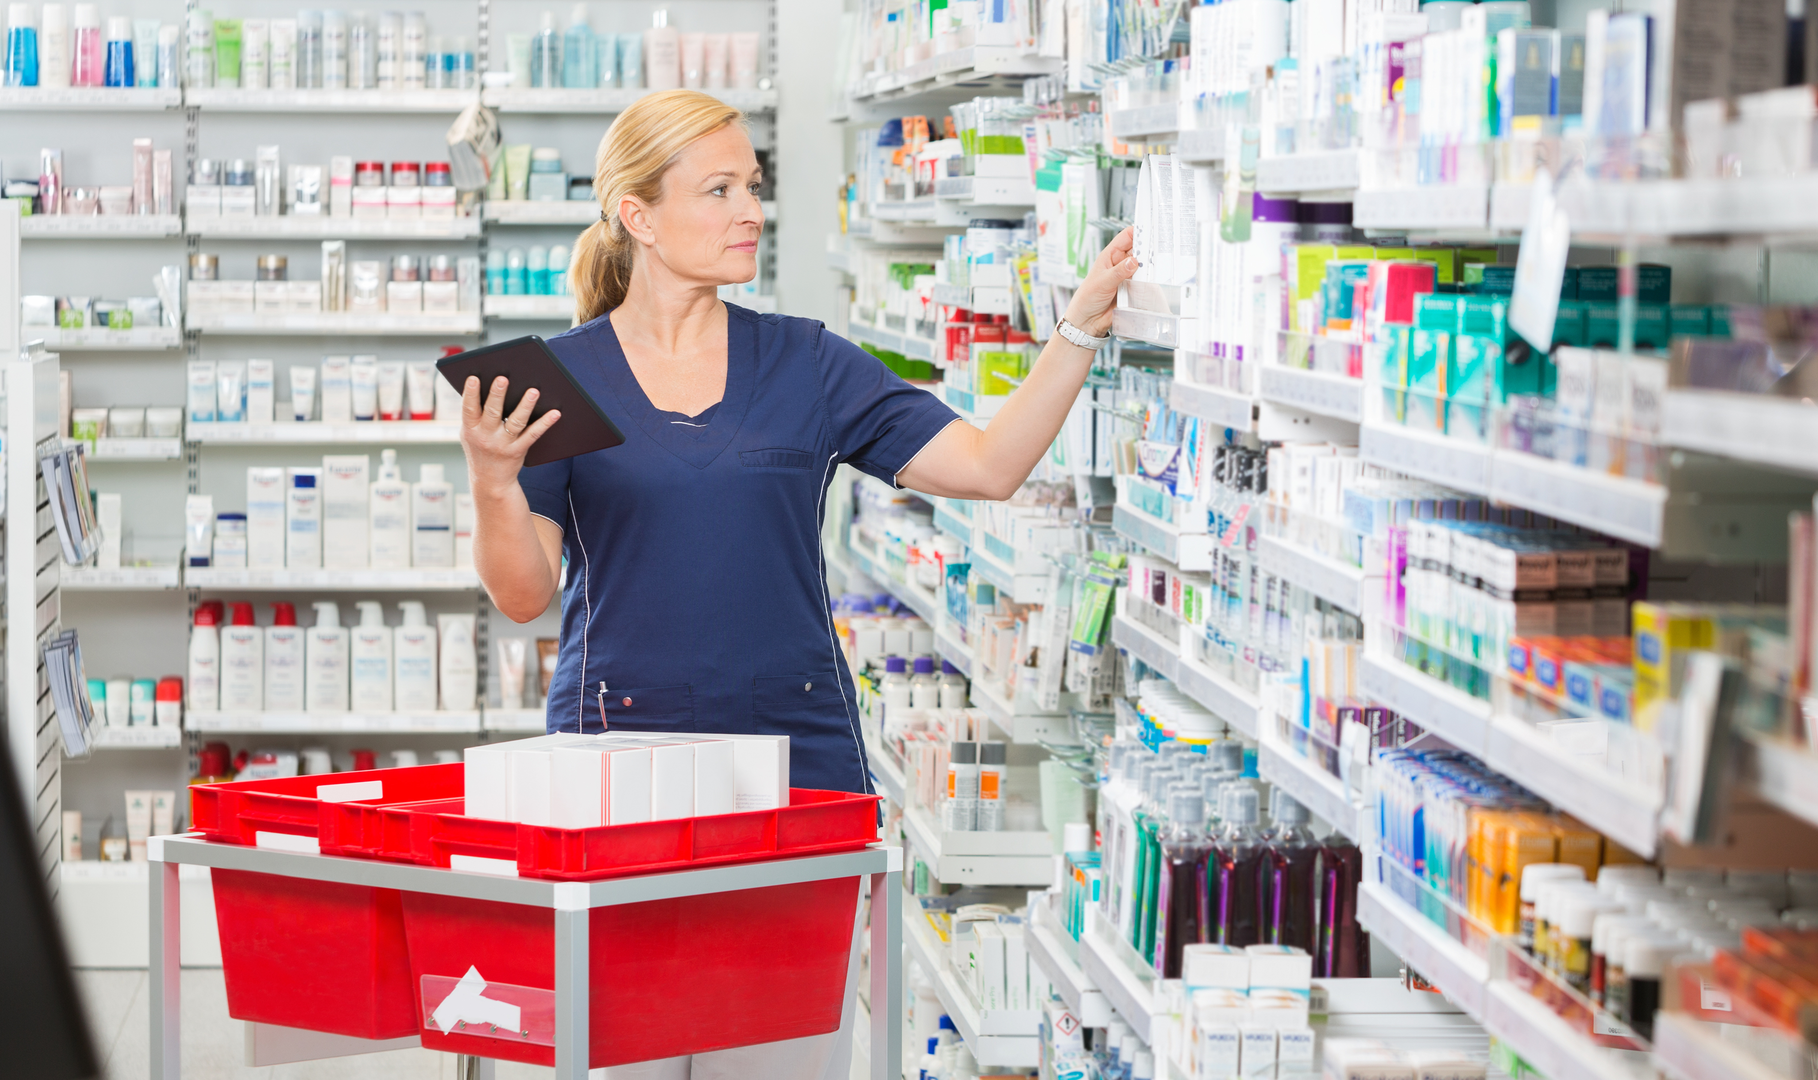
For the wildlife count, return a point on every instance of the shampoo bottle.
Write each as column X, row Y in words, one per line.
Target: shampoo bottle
column 325, row 659
column 242, row 662
column 662, row 54
column 389, row 510
column 546, row 54
column 432, row 519
column 414, row 659
column 370, row 651
column 205, row 659
column 460, row 665
column 283, row 660
column 580, row 53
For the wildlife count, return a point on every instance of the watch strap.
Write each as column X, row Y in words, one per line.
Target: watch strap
column 1079, row 337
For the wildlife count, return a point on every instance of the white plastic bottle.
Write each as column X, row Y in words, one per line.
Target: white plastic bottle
column 325, row 660
column 460, row 667
column 388, row 512
column 953, row 687
column 242, row 662
column 924, row 689
column 369, row 650
column 205, row 659
column 414, row 660
column 432, row 519
column 894, row 686
column 284, row 660
column 662, row 53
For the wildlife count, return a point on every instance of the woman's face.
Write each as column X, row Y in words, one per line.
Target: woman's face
column 706, row 227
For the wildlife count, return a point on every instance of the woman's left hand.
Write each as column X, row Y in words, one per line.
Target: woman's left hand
column 1096, row 297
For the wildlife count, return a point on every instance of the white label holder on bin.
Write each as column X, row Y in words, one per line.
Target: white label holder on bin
column 569, row 904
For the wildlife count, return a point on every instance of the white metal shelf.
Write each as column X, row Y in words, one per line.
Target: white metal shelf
column 321, row 432
column 316, row 323
column 142, row 737
column 1427, row 455
column 492, row 719
column 1047, row 944
column 980, row 858
column 919, row 600
column 410, row 580
column 1320, row 170
column 532, row 308
column 1337, row 396
column 1019, row 724
column 886, row 773
column 1457, row 972
column 1314, row 788
column 951, row 650
column 311, row 723
column 997, row 1038
column 100, row 226
column 125, row 578
column 1145, row 123
column 551, row 100
column 986, row 191
column 950, row 69
column 112, row 449
column 1146, row 645
column 1130, row 993
column 101, row 339
column 1205, row 146
column 1147, row 327
column 580, row 212
column 1187, row 550
column 915, row 348
column 1450, row 713
column 1227, row 408
column 1614, row 806
column 1758, row 428
column 1629, row 509
column 237, row 99
column 321, row 227
column 88, row 99
column 1321, row 575
column 1434, row 208
column 1226, row 700
column 1689, row 1049
column 1786, row 775
column 1552, row 1047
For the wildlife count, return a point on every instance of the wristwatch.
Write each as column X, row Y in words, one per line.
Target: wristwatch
column 1080, row 337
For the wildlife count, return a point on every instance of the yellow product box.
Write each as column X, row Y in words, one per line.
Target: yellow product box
column 1663, row 634
column 1527, row 840
column 1578, row 844
column 1304, row 270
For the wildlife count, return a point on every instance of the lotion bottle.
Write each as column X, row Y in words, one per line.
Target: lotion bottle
column 662, row 54
column 242, row 662
column 460, row 667
column 205, row 659
column 53, row 47
column 414, row 659
column 370, row 649
column 432, row 518
column 283, row 660
column 389, row 513
column 326, row 661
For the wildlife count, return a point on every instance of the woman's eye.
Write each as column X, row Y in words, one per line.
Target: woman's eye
column 721, row 190
column 753, row 188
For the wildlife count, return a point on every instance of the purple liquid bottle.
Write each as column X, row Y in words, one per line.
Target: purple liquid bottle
column 1344, row 947
column 1182, row 906
column 1289, row 865
column 1237, row 854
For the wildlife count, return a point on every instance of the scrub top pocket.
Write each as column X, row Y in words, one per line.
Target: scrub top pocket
column 650, row 708
column 776, row 458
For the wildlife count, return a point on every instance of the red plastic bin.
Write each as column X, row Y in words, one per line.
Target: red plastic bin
column 237, row 812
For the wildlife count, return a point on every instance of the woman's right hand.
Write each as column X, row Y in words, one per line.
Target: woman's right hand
column 495, row 444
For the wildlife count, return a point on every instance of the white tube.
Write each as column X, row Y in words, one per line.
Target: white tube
column 202, row 390
column 391, row 390
column 303, row 393
column 421, row 379
column 364, row 377
column 230, row 385
column 511, row 673
column 199, row 528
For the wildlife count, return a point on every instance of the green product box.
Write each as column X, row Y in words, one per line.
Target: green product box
column 1304, row 272
column 1719, row 319
column 1602, row 324
column 1651, row 326
column 1568, row 285
column 1688, row 320
column 1569, row 325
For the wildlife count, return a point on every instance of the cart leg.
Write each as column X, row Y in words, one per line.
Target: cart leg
column 468, row 1067
column 571, row 1005
column 887, row 976
column 165, row 970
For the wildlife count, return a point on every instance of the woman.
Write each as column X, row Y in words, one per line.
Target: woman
column 696, row 597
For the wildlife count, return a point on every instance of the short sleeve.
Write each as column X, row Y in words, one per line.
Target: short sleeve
column 879, row 421
column 546, row 489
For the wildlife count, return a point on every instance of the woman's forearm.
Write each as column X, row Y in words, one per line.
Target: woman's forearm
column 509, row 554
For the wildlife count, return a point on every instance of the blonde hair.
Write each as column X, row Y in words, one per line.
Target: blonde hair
column 636, row 151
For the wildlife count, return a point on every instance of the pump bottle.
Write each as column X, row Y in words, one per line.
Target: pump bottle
column 242, row 662
column 370, row 664
column 414, row 660
column 389, row 511
column 205, row 659
column 432, row 518
column 546, row 54
column 326, row 660
column 460, row 667
column 284, row 660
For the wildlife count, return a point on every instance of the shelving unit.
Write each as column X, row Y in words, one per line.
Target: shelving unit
column 101, row 339
column 100, row 226
column 323, row 433
column 605, row 102
column 1220, row 406
column 87, row 99
column 236, row 99
column 133, row 578
column 309, row 227
column 1336, row 396
column 1050, row 950
column 138, row 738
column 535, row 308
column 315, row 324
column 109, row 449
column 980, row 858
column 364, row 580
column 997, row 1037
column 324, row 723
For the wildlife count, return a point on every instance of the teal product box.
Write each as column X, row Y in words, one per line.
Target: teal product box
column 1602, row 324
column 1568, row 284
column 1393, row 375
column 1653, row 283
column 1719, row 315
column 1580, row 684
column 1597, row 283
column 1688, row 320
column 1651, row 326
column 1498, row 279
column 1569, row 325
column 1341, row 281
column 1615, row 689
column 1430, row 360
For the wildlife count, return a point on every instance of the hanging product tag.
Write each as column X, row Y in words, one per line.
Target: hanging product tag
column 1546, row 241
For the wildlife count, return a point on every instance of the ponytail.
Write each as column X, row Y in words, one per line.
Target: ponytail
column 636, row 151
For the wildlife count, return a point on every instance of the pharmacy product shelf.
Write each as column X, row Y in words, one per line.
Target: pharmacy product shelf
column 911, row 346
column 1337, row 396
column 1314, row 788
column 918, row 599
column 1455, row 970
column 1321, row 575
column 534, row 308
column 1449, row 713
column 552, row 100
column 944, row 71
column 321, row 432
column 142, row 737
column 319, row 227
column 109, row 449
column 838, row 258
column 1023, row 588
column 1018, row 722
column 579, row 212
column 236, row 99
column 1187, row 550
column 125, row 578
column 977, row 409
column 313, row 323
column 1227, row 408
column 311, row 723
column 1048, row 950
column 1758, row 428
column 492, row 719
column 953, row 295
column 87, row 99
column 99, row 226
column 998, row 1038
column 1668, row 208
column 951, row 650
column 1615, row 806
column 980, row 858
column 1201, row 147
column 1149, row 327
column 1423, row 209
column 1456, row 464
column 1689, row 1049
column 886, row 771
column 1107, row 965
column 952, row 524
column 1628, row 509
column 1225, row 699
column 1146, row 123
column 1324, row 170
column 1146, row 645
column 986, row 190
column 411, row 580
column 101, row 339
column 1785, row 774
column 908, row 210
column 1545, row 1041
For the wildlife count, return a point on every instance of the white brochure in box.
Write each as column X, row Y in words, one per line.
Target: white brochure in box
column 346, row 490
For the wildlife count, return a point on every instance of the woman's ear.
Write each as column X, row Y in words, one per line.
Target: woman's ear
column 636, row 215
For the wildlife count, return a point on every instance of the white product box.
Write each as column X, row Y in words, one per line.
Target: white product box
column 346, row 491
column 442, row 297
column 1220, row 1049
column 238, row 200
column 533, row 785
column 713, row 777
column 1280, row 968
column 404, row 296
column 1446, row 1065
column 202, row 200
column 1295, row 1052
column 108, row 514
column 1256, row 1058
column 335, row 389
column 988, row 951
column 404, row 202
column 271, row 295
column 216, row 297
column 1219, row 966
column 1016, row 963
column 671, row 781
column 438, row 202
column 487, row 772
column 261, row 390
column 369, row 202
column 264, row 516
column 303, row 519
column 760, row 771
column 305, row 297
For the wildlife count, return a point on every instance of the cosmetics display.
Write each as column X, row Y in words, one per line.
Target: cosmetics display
column 404, row 284
column 124, row 701
column 325, row 50
column 536, row 271
column 344, row 188
column 50, row 192
column 660, row 58
column 68, row 45
column 341, row 390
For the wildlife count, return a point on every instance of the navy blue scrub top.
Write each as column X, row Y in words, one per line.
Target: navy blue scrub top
column 696, row 593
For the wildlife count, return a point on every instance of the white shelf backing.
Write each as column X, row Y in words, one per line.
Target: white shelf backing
column 538, row 308
column 101, row 339
column 1614, row 806
column 336, row 322
column 109, row 449
column 1451, row 714
column 1759, row 428
column 88, row 99
column 235, row 99
column 1149, row 327
column 1321, row 575
column 100, row 226
column 1001, row 858
column 492, row 719
column 581, row 212
column 94, row 579
column 143, row 737
column 1227, row 408
column 1457, row 972
column 998, row 1038
column 560, row 100
column 1319, row 791
column 1045, row 938
column 318, row 227
column 310, row 723
column 1428, row 456
column 1337, row 396
column 318, row 432
column 1325, row 170
column 1434, row 208
column 212, row 577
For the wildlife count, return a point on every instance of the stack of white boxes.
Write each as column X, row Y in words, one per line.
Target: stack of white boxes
column 572, row 781
column 992, row 957
column 1242, row 1012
